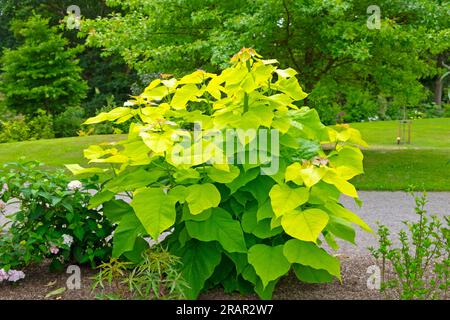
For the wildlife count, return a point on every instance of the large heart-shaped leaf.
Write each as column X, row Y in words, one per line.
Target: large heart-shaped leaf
column 155, row 209
column 201, row 197
column 269, row 262
column 309, row 254
column 285, row 199
column 220, row 227
column 305, row 225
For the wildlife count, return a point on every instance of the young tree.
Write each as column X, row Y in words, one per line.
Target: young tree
column 42, row 72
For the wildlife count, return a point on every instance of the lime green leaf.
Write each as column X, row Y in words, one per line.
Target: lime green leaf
column 338, row 210
column 312, row 175
column 183, row 95
column 199, row 261
column 311, row 275
column 285, row 199
column 115, row 210
column 155, row 209
column 201, row 197
column 261, row 229
column 125, row 235
column 133, row 180
column 344, row 186
column 220, row 227
column 244, row 178
column 223, row 176
column 99, row 198
column 341, row 228
column 309, row 254
column 286, row 73
column 77, row 169
column 305, row 225
column 269, row 262
column 293, row 173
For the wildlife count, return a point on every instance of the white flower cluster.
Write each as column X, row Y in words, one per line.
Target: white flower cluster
column 67, row 240
column 11, row 275
column 74, row 185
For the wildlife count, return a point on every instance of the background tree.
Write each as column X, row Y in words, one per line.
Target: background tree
column 106, row 76
column 42, row 72
column 347, row 67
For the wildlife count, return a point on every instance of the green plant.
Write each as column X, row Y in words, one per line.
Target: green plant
column 41, row 72
column 41, row 125
column 15, row 129
column 421, row 262
column 242, row 224
column 108, row 127
column 157, row 276
column 52, row 221
column 68, row 123
column 20, row 128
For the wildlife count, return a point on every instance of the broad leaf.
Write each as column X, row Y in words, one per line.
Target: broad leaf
column 305, row 225
column 220, row 227
column 155, row 209
column 309, row 254
column 269, row 262
column 285, row 199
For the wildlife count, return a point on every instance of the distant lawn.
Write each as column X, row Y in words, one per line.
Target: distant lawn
column 425, row 133
column 424, row 163
column 54, row 152
column 398, row 169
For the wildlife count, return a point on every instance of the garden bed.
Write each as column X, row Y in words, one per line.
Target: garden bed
column 39, row 282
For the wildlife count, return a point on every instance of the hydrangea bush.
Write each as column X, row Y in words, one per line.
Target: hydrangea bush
column 242, row 216
column 52, row 220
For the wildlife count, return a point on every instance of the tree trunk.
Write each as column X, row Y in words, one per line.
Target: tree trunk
column 438, row 83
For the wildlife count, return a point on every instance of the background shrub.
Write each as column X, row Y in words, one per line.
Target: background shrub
column 68, row 123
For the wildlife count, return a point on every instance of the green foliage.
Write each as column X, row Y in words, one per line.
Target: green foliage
column 41, row 72
column 156, row 277
column 231, row 219
column 421, row 263
column 52, row 220
column 342, row 62
column 68, row 123
column 22, row 128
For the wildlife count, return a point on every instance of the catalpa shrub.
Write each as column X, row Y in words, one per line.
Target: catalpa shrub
column 237, row 174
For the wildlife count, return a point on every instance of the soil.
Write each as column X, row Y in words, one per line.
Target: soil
column 39, row 282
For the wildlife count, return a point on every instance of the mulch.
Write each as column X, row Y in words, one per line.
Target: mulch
column 39, row 282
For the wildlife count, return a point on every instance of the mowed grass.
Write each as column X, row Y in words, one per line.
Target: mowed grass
column 53, row 153
column 425, row 134
column 425, row 163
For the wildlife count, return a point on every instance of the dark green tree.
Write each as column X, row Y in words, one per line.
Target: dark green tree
column 42, row 72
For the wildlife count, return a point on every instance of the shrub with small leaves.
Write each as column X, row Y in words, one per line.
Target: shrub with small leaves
column 419, row 258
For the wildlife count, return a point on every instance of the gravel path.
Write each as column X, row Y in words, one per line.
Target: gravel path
column 389, row 208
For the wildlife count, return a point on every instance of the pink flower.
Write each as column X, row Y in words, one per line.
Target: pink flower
column 3, row 275
column 54, row 250
column 15, row 275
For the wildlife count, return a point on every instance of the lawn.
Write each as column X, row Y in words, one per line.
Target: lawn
column 424, row 163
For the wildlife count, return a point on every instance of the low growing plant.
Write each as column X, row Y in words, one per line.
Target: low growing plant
column 156, row 277
column 53, row 220
column 419, row 257
column 242, row 216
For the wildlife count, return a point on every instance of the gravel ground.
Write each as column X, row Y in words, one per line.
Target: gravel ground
column 389, row 208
